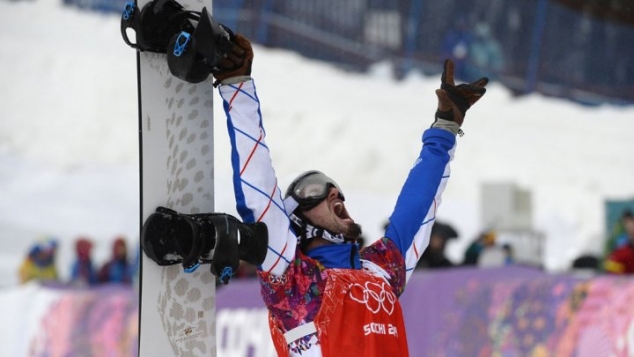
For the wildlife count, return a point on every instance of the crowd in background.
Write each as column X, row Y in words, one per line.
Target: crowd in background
column 484, row 251
column 40, row 264
column 475, row 51
column 528, row 46
column 619, row 249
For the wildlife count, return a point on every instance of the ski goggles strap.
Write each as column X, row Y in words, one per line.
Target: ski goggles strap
column 310, row 231
column 311, row 188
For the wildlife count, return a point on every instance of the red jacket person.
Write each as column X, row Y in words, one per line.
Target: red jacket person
column 325, row 296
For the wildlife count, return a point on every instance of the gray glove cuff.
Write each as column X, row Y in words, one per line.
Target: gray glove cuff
column 236, row 80
column 448, row 125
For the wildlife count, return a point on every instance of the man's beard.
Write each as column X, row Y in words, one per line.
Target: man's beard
column 354, row 232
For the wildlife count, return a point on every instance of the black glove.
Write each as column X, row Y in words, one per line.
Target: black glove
column 237, row 62
column 453, row 101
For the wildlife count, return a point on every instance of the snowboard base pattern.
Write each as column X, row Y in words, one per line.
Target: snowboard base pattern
column 177, row 311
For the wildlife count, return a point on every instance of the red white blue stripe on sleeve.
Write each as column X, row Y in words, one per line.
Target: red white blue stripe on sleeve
column 417, row 204
column 258, row 197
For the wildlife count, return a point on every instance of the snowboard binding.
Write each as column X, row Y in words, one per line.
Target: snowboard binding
column 164, row 26
column 156, row 24
column 193, row 56
column 169, row 238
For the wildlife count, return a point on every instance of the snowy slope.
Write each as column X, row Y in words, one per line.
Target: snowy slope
column 69, row 156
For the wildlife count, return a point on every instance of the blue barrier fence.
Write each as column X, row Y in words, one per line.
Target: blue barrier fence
column 528, row 45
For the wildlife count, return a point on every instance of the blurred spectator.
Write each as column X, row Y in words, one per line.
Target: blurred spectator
column 39, row 265
column 621, row 259
column 484, row 241
column 586, row 261
column 82, row 271
column 586, row 265
column 456, row 45
column 485, row 55
column 621, row 232
column 509, row 254
column 118, row 269
column 434, row 256
column 496, row 256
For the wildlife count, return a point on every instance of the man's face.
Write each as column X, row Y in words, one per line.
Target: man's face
column 332, row 215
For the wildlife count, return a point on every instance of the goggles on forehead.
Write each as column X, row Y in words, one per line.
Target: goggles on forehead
column 311, row 188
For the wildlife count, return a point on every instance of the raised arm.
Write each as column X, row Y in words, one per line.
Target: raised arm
column 417, row 204
column 258, row 197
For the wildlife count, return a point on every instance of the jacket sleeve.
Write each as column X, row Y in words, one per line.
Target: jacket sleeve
column 258, row 197
column 415, row 211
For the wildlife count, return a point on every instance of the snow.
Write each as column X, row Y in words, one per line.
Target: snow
column 69, row 150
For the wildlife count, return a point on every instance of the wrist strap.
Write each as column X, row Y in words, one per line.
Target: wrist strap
column 232, row 80
column 448, row 125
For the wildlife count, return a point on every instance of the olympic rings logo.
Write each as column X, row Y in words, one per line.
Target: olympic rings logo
column 374, row 296
column 277, row 280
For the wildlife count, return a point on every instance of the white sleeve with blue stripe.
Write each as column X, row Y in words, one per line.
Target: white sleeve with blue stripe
column 258, row 197
column 415, row 210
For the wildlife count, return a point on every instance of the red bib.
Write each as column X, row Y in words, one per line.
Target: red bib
column 359, row 316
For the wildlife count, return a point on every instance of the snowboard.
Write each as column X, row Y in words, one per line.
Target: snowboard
column 177, row 309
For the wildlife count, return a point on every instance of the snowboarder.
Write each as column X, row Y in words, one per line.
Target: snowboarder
column 325, row 296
